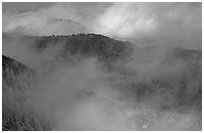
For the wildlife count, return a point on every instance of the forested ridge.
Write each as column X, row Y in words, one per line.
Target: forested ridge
column 175, row 87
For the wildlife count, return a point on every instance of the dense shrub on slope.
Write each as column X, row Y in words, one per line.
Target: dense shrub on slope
column 17, row 84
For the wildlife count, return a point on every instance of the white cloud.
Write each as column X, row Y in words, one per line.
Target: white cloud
column 144, row 19
column 38, row 22
column 120, row 20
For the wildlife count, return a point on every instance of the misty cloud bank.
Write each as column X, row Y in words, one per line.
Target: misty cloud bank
column 120, row 20
column 93, row 82
column 155, row 88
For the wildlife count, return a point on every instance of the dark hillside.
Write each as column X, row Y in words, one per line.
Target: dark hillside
column 17, row 85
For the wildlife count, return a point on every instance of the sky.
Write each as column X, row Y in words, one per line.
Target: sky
column 119, row 20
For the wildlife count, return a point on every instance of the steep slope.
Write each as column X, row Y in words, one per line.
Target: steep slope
column 17, row 85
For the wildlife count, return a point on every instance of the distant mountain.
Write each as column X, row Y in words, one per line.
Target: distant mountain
column 55, row 20
column 108, row 50
column 63, row 26
column 48, row 26
column 102, row 47
column 80, row 45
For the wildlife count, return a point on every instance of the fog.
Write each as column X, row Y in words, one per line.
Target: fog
column 156, row 87
column 83, row 95
column 118, row 20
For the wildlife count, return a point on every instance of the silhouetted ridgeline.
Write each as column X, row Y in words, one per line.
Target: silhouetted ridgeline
column 84, row 44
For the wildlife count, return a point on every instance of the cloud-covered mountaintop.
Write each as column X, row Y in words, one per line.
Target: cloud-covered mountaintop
column 118, row 20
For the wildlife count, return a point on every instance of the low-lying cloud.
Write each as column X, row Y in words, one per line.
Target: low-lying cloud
column 118, row 20
column 158, row 93
column 121, row 20
column 153, row 89
column 72, row 18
